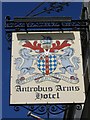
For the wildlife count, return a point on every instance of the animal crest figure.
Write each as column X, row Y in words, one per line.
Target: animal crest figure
column 24, row 63
column 46, row 49
column 66, row 63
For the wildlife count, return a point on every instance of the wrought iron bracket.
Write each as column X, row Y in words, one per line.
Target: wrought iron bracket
column 40, row 110
column 31, row 24
column 28, row 24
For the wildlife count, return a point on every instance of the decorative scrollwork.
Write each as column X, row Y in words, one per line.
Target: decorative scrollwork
column 57, row 7
column 16, row 108
column 53, row 6
column 9, row 39
column 7, row 18
column 57, row 109
column 50, row 109
column 53, row 108
column 38, row 109
column 41, row 110
column 79, row 107
column 9, row 36
column 30, row 25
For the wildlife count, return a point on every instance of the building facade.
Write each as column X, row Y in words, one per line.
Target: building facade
column 86, row 15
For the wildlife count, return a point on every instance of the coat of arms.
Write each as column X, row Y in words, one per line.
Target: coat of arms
column 52, row 58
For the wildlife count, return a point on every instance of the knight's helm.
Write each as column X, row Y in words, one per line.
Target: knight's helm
column 46, row 42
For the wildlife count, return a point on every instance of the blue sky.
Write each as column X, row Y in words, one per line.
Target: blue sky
column 20, row 9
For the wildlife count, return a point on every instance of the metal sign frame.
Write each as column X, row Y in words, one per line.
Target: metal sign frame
column 27, row 25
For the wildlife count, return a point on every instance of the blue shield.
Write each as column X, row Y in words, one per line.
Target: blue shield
column 43, row 63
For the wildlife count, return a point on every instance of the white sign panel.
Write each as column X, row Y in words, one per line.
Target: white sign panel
column 46, row 67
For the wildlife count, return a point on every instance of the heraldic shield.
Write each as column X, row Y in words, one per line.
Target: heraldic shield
column 47, row 64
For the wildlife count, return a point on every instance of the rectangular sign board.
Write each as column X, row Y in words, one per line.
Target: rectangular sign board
column 46, row 67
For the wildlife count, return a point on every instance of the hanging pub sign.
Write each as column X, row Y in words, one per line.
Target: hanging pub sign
column 46, row 67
